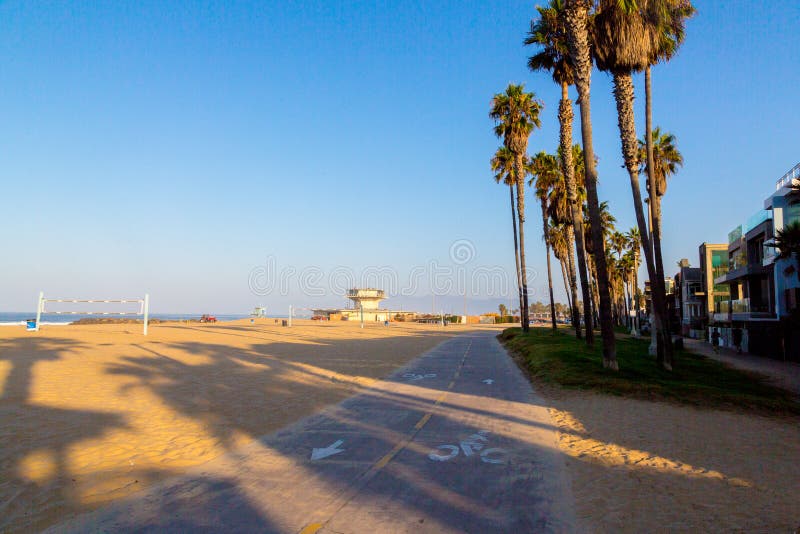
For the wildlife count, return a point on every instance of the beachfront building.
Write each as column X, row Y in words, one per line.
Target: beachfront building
column 364, row 305
column 688, row 301
column 713, row 264
column 764, row 290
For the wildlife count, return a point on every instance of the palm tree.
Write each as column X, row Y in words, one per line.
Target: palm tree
column 667, row 20
column 787, row 241
column 576, row 20
column 634, row 247
column 503, row 166
column 558, row 241
column 623, row 44
column 549, row 34
column 544, row 169
column 550, row 183
column 665, row 159
column 516, row 114
column 617, row 243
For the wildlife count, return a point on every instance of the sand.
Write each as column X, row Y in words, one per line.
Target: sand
column 94, row 413
column 90, row 414
column 639, row 466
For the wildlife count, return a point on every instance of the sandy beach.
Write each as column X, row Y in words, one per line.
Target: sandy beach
column 94, row 413
column 639, row 466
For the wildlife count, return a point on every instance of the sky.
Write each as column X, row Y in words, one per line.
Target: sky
column 223, row 154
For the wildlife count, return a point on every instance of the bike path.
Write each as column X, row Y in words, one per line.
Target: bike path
column 456, row 441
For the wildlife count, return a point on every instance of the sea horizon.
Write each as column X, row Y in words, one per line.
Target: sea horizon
column 19, row 318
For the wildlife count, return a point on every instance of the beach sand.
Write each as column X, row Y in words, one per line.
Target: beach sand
column 93, row 413
column 639, row 466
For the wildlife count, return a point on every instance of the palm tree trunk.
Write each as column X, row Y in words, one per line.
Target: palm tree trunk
column 573, row 284
column 577, row 16
column 565, row 118
column 519, row 165
column 668, row 355
column 566, row 287
column 549, row 274
column 516, row 245
column 623, row 94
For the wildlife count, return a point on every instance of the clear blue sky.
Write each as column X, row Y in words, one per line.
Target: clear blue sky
column 171, row 147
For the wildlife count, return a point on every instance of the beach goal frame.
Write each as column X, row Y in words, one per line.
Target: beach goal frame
column 144, row 308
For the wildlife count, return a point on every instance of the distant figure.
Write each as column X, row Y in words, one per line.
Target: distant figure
column 715, row 340
column 737, row 339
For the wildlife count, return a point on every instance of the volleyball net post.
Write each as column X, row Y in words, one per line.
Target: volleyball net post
column 144, row 308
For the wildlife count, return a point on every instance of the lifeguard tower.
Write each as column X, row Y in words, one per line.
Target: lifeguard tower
column 367, row 299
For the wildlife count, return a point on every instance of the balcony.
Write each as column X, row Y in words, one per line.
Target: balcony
column 786, row 179
column 745, row 310
column 741, row 310
column 757, row 218
column 722, row 311
column 735, row 235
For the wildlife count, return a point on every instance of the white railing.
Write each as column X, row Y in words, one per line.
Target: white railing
column 787, row 178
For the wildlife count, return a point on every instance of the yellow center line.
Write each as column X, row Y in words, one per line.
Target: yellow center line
column 311, row 528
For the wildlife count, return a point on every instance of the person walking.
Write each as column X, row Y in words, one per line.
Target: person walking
column 737, row 339
column 715, row 340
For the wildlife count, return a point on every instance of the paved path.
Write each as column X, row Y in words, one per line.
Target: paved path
column 454, row 442
column 783, row 374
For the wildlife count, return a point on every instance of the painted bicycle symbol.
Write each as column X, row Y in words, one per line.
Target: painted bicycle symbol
column 413, row 376
column 474, row 444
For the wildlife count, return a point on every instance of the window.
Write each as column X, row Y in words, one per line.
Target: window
column 791, row 214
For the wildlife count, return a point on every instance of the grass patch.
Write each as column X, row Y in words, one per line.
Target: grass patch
column 558, row 358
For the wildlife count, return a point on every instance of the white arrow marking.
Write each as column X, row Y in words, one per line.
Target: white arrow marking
column 318, row 454
column 488, row 381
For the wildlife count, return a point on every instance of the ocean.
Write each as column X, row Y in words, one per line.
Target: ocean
column 19, row 318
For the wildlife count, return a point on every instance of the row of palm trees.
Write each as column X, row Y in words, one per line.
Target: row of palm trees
column 620, row 37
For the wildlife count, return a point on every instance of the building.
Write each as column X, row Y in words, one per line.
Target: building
column 763, row 289
column 688, row 301
column 365, row 306
column 713, row 264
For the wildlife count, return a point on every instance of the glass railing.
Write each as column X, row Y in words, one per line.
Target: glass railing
column 747, row 306
column 757, row 218
column 723, row 306
column 738, row 260
column 722, row 270
column 740, row 306
column 735, row 235
column 787, row 178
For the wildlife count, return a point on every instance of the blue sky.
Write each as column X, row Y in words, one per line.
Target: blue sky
column 172, row 147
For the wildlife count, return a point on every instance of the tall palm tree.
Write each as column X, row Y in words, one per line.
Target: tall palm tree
column 558, row 240
column 550, row 35
column 547, row 168
column 617, row 243
column 634, row 247
column 623, row 43
column 516, row 114
column 576, row 20
column 667, row 20
column 503, row 167
column 544, row 169
column 664, row 158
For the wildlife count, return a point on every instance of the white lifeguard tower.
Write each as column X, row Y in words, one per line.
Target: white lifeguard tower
column 365, row 307
column 367, row 299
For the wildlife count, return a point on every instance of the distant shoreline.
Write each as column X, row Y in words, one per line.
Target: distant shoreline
column 48, row 319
